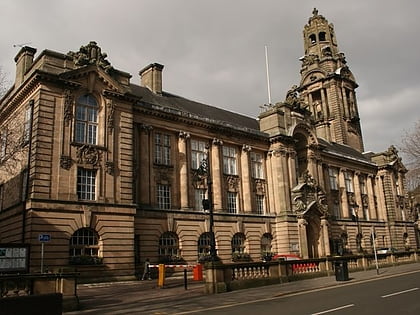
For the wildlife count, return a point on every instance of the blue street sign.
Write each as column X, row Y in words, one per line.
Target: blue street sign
column 44, row 237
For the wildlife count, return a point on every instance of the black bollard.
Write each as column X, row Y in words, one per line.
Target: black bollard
column 185, row 279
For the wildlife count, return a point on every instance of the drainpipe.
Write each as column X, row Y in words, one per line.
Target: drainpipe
column 26, row 196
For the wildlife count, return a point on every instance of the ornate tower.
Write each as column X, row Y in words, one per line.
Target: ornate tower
column 328, row 86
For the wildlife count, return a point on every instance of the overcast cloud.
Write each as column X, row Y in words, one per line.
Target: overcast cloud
column 213, row 51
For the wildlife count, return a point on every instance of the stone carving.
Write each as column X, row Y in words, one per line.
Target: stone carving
column 308, row 60
column 89, row 55
column 110, row 167
column 246, row 148
column 217, row 141
column 146, row 128
column 68, row 106
column 306, row 195
column 391, row 154
column 260, row 187
column 295, row 100
column 87, row 154
column 184, row 135
column 232, row 183
column 66, row 162
column 110, row 117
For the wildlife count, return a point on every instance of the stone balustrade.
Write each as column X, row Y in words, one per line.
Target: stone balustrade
column 235, row 276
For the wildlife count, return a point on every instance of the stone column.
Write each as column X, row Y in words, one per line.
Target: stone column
column 342, row 188
column 371, row 198
column 278, row 180
column 321, row 180
column 326, row 251
column 183, row 168
column 324, row 105
column 216, row 174
column 380, row 198
column 346, row 105
column 144, row 165
column 292, row 168
column 303, row 239
column 286, row 180
column 246, row 179
column 270, row 184
column 357, row 195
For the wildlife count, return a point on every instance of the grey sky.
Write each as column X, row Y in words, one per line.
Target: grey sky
column 213, row 51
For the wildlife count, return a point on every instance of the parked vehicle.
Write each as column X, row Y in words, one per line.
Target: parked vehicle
column 386, row 250
column 286, row 257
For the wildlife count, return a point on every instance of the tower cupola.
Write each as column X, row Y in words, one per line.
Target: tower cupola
column 319, row 37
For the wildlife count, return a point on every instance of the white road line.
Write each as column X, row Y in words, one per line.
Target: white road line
column 400, row 292
column 333, row 309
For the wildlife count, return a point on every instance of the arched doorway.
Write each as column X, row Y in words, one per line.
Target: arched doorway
column 313, row 235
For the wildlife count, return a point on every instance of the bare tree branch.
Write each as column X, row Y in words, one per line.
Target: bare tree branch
column 411, row 148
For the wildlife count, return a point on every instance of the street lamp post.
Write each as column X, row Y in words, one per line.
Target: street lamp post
column 359, row 236
column 204, row 169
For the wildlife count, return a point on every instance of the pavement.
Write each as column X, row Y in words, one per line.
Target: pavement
column 145, row 297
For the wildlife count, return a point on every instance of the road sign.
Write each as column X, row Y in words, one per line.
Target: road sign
column 44, row 237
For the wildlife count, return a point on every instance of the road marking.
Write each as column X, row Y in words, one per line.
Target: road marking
column 297, row 293
column 333, row 309
column 400, row 292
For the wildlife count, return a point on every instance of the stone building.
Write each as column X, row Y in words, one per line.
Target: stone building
column 113, row 167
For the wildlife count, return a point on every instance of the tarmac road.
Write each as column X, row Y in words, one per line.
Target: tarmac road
column 144, row 297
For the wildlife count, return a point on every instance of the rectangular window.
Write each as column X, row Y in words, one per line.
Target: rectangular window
column 260, row 203
column 362, row 184
column 162, row 149
column 163, row 196
column 232, row 202
column 27, row 125
column 348, row 180
column 200, row 195
column 86, row 124
column 86, row 184
column 333, row 175
column 336, row 210
column 198, row 153
column 229, row 160
column 257, row 165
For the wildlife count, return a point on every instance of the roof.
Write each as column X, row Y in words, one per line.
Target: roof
column 344, row 151
column 172, row 101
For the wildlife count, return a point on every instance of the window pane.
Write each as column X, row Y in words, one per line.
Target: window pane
column 86, row 184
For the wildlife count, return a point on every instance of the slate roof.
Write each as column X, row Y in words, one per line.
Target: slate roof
column 224, row 117
column 344, row 151
column 172, row 101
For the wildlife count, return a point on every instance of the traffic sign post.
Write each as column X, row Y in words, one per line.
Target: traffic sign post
column 43, row 238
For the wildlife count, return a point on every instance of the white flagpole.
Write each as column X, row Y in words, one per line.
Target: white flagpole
column 268, row 76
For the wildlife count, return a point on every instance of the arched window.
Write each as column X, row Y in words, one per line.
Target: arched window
column 86, row 125
column 168, row 247
column 321, row 36
column 266, row 244
column 84, row 247
column 203, row 246
column 312, row 38
column 238, row 243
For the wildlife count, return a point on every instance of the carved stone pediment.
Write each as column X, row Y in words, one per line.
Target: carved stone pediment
column 89, row 55
column 308, row 195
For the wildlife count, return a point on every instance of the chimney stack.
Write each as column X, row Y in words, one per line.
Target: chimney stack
column 151, row 77
column 24, row 60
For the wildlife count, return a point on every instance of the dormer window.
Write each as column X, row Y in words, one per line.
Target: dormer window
column 322, row 37
column 86, row 126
